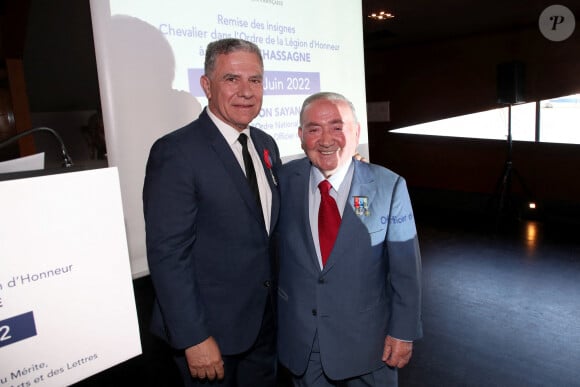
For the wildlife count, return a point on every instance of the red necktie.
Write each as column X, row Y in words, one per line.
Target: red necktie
column 328, row 220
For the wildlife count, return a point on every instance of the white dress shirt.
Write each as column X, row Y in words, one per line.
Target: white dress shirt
column 231, row 135
column 341, row 181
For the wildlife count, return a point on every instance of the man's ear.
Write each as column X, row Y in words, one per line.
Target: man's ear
column 205, row 82
column 300, row 137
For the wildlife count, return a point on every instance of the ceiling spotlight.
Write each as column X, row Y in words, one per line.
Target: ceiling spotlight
column 381, row 15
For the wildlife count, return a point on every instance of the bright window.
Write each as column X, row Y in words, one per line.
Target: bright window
column 559, row 122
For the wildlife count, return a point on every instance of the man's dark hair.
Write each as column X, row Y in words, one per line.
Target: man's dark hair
column 226, row 46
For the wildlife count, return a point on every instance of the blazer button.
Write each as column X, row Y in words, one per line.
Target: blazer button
column 321, row 280
column 267, row 283
column 314, row 312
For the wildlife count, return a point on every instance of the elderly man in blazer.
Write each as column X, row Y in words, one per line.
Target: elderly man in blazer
column 348, row 308
column 210, row 200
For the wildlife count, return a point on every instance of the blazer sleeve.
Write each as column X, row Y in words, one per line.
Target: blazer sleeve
column 404, row 267
column 170, row 210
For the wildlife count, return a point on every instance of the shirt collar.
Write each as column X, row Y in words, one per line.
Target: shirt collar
column 335, row 180
column 230, row 133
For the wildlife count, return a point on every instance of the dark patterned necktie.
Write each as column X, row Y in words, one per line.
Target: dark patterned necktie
column 250, row 171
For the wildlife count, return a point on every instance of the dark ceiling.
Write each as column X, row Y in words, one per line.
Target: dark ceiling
column 55, row 36
column 416, row 21
column 423, row 21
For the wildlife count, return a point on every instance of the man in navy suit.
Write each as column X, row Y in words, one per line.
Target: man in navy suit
column 208, row 228
column 347, row 317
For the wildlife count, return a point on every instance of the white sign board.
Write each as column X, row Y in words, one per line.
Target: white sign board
column 67, row 308
column 26, row 163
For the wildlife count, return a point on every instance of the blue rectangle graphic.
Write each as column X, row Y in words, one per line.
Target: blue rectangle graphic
column 275, row 82
column 17, row 328
column 291, row 83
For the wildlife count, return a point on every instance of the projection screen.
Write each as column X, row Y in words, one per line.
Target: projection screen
column 150, row 56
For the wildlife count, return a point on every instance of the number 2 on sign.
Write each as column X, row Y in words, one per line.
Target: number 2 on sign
column 5, row 333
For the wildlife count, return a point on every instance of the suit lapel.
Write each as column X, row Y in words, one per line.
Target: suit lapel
column 262, row 149
column 231, row 165
column 299, row 185
column 363, row 185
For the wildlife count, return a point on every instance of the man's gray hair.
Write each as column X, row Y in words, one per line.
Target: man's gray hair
column 227, row 46
column 329, row 96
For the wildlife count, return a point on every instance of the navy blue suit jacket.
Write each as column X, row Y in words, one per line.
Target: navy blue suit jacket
column 370, row 286
column 207, row 246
